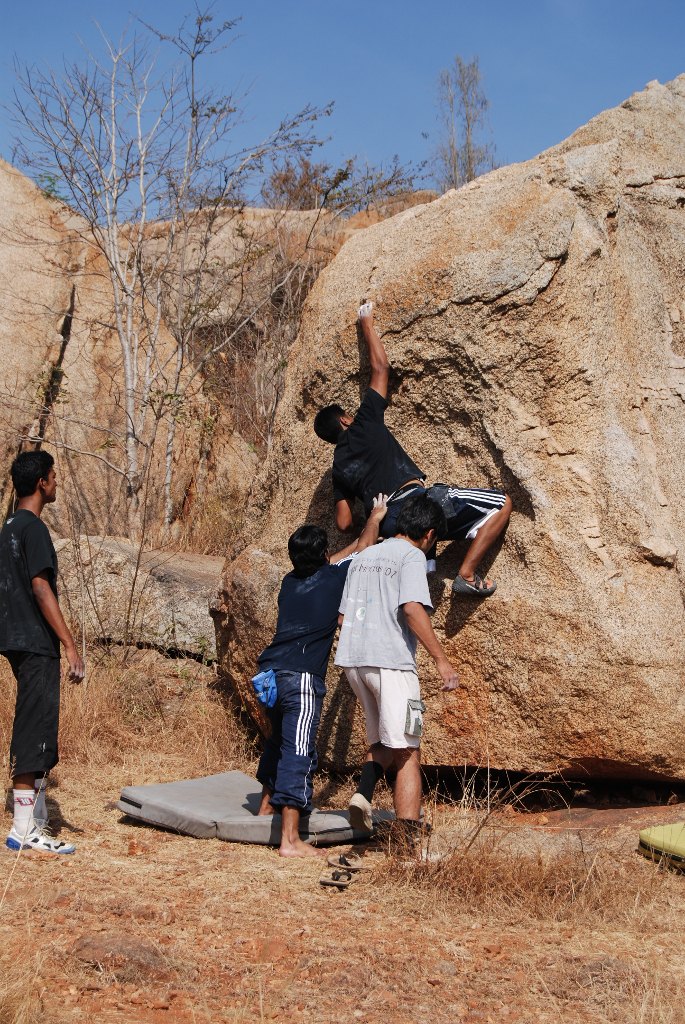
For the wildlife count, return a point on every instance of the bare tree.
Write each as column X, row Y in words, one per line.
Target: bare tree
column 148, row 161
column 462, row 106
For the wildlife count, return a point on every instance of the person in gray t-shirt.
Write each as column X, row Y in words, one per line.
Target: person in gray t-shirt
column 383, row 612
column 373, row 633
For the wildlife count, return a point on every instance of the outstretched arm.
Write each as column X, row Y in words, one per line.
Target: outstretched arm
column 380, row 367
column 422, row 628
column 369, row 534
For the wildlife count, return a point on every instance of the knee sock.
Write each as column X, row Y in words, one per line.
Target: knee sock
column 371, row 773
column 40, row 810
column 24, row 800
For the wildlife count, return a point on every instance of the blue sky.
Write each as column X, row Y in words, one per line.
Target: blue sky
column 547, row 65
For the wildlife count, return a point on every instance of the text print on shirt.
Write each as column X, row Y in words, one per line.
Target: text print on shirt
column 380, row 569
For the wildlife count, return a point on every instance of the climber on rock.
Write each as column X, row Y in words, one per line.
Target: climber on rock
column 368, row 459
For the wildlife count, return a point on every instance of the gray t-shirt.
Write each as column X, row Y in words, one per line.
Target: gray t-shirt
column 380, row 580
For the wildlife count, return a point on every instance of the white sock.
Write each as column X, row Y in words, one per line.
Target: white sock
column 40, row 810
column 24, row 800
column 431, row 565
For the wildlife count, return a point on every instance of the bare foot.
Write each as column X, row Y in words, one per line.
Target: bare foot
column 265, row 806
column 296, row 848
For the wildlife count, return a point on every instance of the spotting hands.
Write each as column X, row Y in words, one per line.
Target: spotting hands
column 380, row 507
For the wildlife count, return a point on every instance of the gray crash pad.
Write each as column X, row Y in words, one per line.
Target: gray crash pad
column 225, row 807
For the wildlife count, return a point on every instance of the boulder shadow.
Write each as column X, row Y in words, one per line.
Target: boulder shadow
column 335, row 727
column 461, row 609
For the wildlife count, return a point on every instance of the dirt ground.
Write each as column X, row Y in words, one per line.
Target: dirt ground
column 146, row 926
column 529, row 917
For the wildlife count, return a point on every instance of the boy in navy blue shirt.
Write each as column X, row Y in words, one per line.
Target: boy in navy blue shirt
column 308, row 605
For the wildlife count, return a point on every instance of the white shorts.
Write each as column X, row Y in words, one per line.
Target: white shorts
column 392, row 705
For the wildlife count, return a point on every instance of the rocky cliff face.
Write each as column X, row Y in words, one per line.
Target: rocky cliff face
column 61, row 375
column 535, row 320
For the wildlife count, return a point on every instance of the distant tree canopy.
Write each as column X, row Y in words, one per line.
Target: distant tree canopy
column 297, row 183
column 461, row 154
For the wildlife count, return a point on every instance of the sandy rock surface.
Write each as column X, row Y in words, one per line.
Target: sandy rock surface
column 535, row 320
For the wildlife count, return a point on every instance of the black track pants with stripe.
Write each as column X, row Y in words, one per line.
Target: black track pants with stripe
column 289, row 759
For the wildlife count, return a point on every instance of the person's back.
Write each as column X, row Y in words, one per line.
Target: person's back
column 307, row 620
column 385, row 611
column 368, row 458
column 380, row 581
column 293, row 670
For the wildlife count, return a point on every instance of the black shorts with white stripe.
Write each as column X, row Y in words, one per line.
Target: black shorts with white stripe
column 473, row 506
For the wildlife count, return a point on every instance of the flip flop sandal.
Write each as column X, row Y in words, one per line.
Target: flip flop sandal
column 339, row 879
column 348, row 862
column 478, row 588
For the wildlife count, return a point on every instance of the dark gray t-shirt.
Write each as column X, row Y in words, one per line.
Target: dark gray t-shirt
column 368, row 457
column 26, row 550
column 380, row 580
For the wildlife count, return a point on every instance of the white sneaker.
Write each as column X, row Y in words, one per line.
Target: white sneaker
column 366, row 309
column 37, row 840
column 360, row 813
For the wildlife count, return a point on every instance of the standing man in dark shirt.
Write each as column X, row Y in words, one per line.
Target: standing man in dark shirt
column 31, row 630
column 308, row 605
column 368, row 458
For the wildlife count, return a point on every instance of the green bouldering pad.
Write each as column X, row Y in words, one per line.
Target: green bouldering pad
column 665, row 843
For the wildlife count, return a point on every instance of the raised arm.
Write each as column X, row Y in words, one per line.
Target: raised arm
column 369, row 534
column 380, row 367
column 420, row 624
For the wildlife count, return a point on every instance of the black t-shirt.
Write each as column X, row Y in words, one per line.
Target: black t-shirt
column 307, row 621
column 368, row 459
column 26, row 550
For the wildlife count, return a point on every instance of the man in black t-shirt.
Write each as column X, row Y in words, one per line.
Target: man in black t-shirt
column 308, row 605
column 368, row 458
column 31, row 630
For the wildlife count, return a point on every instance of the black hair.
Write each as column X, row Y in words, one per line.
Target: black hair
column 307, row 548
column 327, row 423
column 27, row 469
column 419, row 515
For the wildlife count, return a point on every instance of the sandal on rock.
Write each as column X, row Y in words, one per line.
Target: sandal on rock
column 348, row 862
column 339, row 879
column 478, row 588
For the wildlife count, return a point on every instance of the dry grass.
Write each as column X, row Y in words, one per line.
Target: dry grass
column 514, row 922
column 20, row 997
column 580, row 886
column 134, row 705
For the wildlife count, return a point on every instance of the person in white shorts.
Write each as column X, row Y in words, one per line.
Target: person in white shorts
column 383, row 612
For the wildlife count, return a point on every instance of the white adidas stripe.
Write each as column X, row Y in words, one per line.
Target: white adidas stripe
column 304, row 721
column 473, row 496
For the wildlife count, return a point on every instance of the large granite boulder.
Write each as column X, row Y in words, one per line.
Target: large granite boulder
column 120, row 594
column 536, row 323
